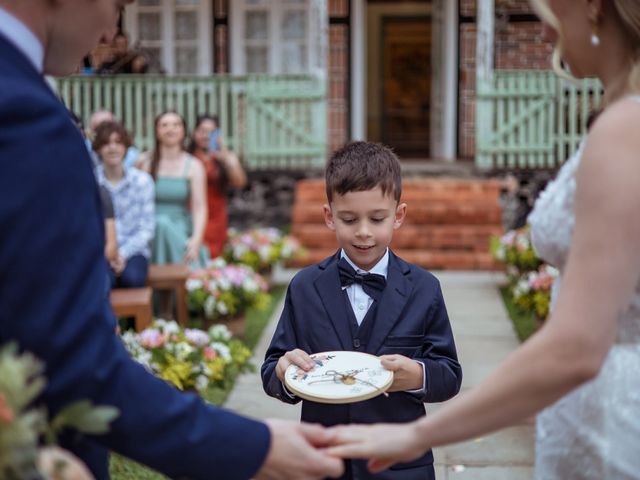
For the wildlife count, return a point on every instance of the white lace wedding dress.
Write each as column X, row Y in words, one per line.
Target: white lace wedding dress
column 593, row 433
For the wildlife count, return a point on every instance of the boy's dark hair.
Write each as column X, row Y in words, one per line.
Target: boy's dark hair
column 360, row 166
column 104, row 132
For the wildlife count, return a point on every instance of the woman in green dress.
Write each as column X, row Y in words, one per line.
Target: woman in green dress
column 181, row 200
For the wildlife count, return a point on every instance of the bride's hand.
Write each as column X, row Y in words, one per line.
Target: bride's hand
column 384, row 444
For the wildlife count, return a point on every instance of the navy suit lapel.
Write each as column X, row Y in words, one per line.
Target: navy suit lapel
column 328, row 287
column 393, row 300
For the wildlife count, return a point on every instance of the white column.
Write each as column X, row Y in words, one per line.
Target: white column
column 484, row 74
column 485, row 40
column 358, row 83
column 451, row 66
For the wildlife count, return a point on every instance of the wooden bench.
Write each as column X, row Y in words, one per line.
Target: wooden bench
column 172, row 276
column 133, row 302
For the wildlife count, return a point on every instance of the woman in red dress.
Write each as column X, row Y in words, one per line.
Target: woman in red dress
column 223, row 170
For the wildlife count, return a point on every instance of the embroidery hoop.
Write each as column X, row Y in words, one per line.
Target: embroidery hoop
column 319, row 386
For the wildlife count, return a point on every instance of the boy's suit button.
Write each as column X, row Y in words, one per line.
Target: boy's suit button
column 356, row 343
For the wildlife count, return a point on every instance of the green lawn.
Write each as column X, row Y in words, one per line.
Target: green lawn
column 524, row 322
column 125, row 469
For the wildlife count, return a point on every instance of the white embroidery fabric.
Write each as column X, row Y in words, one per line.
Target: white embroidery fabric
column 593, row 433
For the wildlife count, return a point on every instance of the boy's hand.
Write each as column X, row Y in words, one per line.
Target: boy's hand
column 294, row 357
column 407, row 373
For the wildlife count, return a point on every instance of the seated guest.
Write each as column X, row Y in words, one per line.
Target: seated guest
column 122, row 59
column 223, row 170
column 133, row 194
column 95, row 120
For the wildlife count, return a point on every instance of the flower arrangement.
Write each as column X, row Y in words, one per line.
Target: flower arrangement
column 261, row 248
column 514, row 249
column 23, row 424
column 532, row 291
column 221, row 290
column 530, row 279
column 190, row 359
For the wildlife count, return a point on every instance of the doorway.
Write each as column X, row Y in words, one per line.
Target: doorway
column 406, row 84
column 399, row 76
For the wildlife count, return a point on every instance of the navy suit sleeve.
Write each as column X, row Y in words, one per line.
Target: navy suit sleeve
column 53, row 302
column 438, row 354
column 283, row 341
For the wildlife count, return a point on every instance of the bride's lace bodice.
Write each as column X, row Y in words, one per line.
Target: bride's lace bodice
column 552, row 222
column 593, row 433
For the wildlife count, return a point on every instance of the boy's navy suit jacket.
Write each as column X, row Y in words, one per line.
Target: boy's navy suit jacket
column 53, row 302
column 411, row 320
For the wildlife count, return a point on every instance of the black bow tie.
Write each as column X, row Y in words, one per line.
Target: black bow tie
column 372, row 283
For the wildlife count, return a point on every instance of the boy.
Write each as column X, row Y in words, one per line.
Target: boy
column 401, row 318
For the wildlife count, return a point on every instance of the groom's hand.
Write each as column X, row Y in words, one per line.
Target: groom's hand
column 294, row 453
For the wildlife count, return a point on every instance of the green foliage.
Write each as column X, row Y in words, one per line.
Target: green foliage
column 524, row 321
column 23, row 424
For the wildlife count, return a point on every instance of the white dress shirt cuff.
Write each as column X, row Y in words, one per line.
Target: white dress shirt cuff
column 291, row 395
column 422, row 390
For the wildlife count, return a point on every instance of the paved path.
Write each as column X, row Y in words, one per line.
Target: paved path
column 484, row 337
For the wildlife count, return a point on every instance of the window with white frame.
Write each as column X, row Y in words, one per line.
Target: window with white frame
column 278, row 36
column 174, row 34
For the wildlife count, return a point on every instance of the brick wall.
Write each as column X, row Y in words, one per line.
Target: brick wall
column 518, row 45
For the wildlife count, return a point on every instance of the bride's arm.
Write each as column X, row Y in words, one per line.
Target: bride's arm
column 601, row 274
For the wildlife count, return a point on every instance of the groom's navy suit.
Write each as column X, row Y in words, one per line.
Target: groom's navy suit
column 53, row 302
column 410, row 319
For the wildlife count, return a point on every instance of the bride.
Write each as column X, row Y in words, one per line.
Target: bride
column 582, row 369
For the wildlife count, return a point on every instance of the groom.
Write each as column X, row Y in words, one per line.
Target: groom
column 53, row 273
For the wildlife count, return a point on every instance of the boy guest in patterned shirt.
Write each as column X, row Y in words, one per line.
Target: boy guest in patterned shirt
column 132, row 191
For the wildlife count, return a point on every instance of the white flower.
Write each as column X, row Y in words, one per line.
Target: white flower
column 202, row 382
column 287, row 251
column 219, row 332
column 239, row 250
column 183, row 350
column 222, row 308
column 224, row 284
column 250, row 285
column 501, row 253
column 264, row 252
column 209, row 306
column 160, row 323
column 193, row 284
column 222, row 350
column 521, row 288
column 170, row 328
column 212, row 285
column 217, row 262
column 553, row 272
column 145, row 359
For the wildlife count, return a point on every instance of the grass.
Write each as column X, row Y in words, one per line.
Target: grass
column 124, row 469
column 524, row 322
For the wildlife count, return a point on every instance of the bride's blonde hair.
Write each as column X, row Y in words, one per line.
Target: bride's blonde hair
column 628, row 13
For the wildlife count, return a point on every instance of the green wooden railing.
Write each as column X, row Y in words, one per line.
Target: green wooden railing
column 531, row 119
column 272, row 122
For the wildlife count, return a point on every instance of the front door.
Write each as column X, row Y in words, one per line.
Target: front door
column 406, row 84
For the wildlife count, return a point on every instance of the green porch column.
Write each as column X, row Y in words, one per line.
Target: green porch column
column 484, row 81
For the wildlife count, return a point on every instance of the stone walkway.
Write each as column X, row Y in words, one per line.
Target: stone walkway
column 484, row 337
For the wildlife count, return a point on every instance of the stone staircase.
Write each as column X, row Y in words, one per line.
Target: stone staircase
column 448, row 226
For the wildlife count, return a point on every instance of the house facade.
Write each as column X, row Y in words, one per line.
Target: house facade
column 399, row 72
